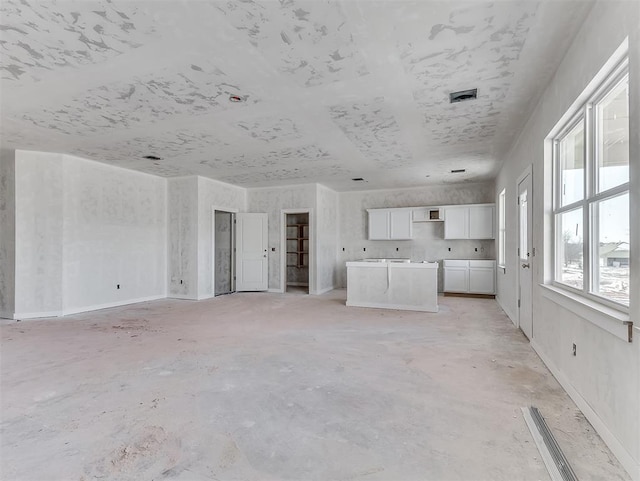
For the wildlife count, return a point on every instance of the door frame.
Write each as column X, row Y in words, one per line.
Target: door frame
column 527, row 172
column 228, row 210
column 283, row 248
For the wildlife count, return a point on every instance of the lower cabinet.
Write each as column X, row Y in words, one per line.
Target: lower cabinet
column 470, row 276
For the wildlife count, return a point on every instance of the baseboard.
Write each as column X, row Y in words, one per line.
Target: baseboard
column 323, row 291
column 6, row 315
column 183, row 297
column 208, row 296
column 108, row 305
column 626, row 459
column 36, row 315
column 506, row 311
column 400, row 307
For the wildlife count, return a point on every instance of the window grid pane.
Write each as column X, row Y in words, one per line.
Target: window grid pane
column 610, row 245
column 612, row 137
column 569, row 248
column 571, row 159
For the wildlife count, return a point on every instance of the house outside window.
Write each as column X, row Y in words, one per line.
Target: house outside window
column 591, row 195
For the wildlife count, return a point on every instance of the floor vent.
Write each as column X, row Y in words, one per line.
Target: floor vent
column 553, row 457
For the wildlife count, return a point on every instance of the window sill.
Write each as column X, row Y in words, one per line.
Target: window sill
column 611, row 320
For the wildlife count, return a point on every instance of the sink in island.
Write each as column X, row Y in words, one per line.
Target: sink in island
column 393, row 284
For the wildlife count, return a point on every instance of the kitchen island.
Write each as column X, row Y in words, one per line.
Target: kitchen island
column 393, row 284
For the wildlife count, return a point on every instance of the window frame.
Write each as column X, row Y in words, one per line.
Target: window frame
column 586, row 113
column 502, row 228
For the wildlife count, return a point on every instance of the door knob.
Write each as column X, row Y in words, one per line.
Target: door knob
column 525, row 266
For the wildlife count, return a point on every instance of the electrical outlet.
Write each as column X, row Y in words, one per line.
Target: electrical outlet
column 273, row 249
column 449, row 249
column 397, row 249
column 180, row 281
column 574, row 349
column 117, row 286
column 364, row 249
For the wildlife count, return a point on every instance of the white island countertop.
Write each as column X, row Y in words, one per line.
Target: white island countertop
column 393, row 284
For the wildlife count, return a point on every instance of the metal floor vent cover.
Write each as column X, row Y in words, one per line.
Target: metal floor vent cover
column 553, row 457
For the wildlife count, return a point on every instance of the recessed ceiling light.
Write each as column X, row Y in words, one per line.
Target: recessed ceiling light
column 152, row 157
column 235, row 98
column 463, row 95
column 458, row 171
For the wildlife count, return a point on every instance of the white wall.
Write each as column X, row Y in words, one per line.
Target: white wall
column 604, row 377
column 81, row 229
column 272, row 201
column 428, row 242
column 326, row 238
column 113, row 234
column 222, row 196
column 182, row 232
column 39, row 232
column 7, row 232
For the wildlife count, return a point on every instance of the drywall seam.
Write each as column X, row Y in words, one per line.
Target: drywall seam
column 625, row 458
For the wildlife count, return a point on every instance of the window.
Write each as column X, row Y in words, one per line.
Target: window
column 502, row 230
column 591, row 195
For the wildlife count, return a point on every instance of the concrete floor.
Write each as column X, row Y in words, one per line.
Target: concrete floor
column 260, row 386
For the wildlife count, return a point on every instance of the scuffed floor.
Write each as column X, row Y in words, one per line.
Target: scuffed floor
column 258, row 386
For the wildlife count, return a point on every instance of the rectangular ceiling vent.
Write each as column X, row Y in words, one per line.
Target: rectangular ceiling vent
column 462, row 95
column 458, row 171
column 358, row 179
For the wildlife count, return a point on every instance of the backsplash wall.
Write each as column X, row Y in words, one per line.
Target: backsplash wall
column 428, row 241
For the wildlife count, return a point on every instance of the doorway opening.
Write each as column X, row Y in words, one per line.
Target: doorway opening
column 297, row 260
column 525, row 253
column 224, row 265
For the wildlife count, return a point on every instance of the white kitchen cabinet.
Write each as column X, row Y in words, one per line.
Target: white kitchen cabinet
column 469, row 221
column 481, row 222
column 390, row 224
column 470, row 276
column 456, row 276
column 456, row 222
column 482, row 277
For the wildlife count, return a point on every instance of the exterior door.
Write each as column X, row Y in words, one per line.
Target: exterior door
column 525, row 249
column 251, row 252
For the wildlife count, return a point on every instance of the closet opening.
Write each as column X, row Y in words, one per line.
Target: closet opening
column 297, row 259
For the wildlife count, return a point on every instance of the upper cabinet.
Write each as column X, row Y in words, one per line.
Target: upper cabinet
column 469, row 221
column 473, row 221
column 390, row 224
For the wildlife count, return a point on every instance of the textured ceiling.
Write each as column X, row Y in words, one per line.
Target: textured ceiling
column 331, row 90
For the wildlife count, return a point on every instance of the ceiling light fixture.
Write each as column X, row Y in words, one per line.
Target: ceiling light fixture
column 152, row 157
column 458, row 171
column 463, row 95
column 235, row 98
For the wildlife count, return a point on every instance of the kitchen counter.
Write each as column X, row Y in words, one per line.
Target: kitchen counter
column 393, row 284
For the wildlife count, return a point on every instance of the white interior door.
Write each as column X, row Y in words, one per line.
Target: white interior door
column 525, row 242
column 251, row 252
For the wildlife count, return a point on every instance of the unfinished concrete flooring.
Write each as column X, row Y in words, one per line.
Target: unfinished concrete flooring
column 282, row 387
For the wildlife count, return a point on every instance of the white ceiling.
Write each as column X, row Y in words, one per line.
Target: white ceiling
column 333, row 90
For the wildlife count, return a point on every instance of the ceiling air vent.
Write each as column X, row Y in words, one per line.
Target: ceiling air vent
column 358, row 179
column 463, row 95
column 152, row 157
column 458, row 171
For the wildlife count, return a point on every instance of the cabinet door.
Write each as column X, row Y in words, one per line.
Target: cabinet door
column 482, row 280
column 378, row 224
column 456, row 222
column 400, row 224
column 456, row 279
column 481, row 222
